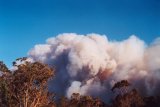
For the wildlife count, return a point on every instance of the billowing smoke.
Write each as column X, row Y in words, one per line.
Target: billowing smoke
column 91, row 64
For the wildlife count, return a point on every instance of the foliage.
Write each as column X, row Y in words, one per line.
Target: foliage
column 81, row 101
column 130, row 99
column 122, row 86
column 3, row 67
column 26, row 86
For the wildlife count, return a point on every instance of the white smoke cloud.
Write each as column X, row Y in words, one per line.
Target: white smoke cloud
column 88, row 64
column 20, row 62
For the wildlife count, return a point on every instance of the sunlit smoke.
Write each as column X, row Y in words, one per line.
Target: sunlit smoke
column 90, row 64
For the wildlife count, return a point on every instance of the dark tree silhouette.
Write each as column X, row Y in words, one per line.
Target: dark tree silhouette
column 123, row 83
column 127, row 99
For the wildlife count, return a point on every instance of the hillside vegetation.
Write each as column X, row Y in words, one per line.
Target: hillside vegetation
column 26, row 86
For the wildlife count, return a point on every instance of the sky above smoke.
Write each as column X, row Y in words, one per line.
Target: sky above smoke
column 91, row 64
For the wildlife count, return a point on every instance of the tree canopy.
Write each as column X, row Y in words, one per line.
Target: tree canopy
column 26, row 86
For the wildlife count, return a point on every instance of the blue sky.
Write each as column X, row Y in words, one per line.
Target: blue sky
column 24, row 23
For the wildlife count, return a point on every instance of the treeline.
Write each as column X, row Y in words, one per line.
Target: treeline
column 26, row 86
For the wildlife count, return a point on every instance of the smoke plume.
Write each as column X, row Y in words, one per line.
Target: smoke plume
column 91, row 64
